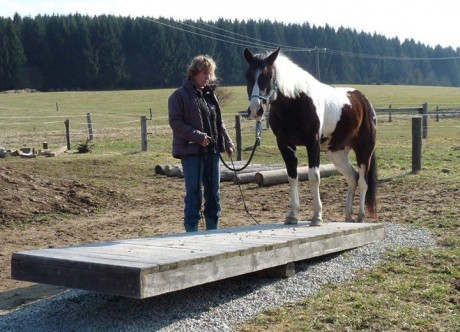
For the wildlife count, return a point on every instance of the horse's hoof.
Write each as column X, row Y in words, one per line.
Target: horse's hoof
column 316, row 222
column 291, row 221
column 350, row 219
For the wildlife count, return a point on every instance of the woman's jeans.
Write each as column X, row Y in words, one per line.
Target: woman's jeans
column 200, row 170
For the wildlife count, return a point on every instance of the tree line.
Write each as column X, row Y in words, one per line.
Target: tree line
column 59, row 52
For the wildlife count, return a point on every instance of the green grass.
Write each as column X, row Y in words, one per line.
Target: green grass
column 417, row 290
column 28, row 119
column 382, row 96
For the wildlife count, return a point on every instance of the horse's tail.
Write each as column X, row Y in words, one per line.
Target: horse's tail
column 371, row 200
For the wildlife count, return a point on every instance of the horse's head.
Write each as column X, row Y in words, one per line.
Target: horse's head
column 261, row 82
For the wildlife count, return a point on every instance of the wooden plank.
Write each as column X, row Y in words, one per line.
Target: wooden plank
column 147, row 267
column 155, row 284
column 122, row 281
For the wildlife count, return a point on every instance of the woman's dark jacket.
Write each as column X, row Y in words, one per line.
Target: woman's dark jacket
column 187, row 124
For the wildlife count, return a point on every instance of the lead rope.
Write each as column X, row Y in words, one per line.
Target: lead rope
column 256, row 144
column 242, row 196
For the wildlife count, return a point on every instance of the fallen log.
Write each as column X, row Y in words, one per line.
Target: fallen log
column 176, row 171
column 273, row 177
column 160, row 169
column 228, row 175
column 244, row 178
column 249, row 176
column 49, row 153
column 59, row 151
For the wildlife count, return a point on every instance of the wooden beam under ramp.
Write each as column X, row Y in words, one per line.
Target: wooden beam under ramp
column 146, row 267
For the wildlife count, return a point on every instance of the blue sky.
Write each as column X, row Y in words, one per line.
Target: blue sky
column 427, row 21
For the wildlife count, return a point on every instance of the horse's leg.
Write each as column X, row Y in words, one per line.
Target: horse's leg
column 288, row 152
column 362, row 183
column 367, row 172
column 313, row 151
column 342, row 164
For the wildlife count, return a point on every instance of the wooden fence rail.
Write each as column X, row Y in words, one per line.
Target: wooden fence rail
column 446, row 113
column 410, row 111
column 423, row 110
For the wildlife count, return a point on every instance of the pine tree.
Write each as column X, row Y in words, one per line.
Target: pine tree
column 12, row 57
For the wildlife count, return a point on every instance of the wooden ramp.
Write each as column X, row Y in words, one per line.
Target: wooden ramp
column 145, row 267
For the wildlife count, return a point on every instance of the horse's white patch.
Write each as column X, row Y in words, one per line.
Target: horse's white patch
column 334, row 101
column 292, row 80
column 294, row 193
column 328, row 100
column 254, row 103
column 374, row 115
column 314, row 178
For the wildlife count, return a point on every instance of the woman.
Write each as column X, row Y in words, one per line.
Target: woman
column 199, row 135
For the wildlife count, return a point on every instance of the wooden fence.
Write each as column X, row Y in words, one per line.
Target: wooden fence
column 419, row 128
column 446, row 113
column 418, row 112
column 438, row 114
column 414, row 111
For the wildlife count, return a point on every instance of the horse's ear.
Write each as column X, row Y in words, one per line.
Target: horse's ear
column 272, row 57
column 248, row 55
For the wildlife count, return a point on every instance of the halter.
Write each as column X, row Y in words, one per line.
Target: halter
column 267, row 97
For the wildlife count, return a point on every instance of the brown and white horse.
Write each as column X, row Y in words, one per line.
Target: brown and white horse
column 306, row 112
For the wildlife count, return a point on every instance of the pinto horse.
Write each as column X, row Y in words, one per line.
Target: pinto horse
column 306, row 112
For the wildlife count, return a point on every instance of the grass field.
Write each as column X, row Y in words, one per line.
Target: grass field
column 28, row 119
column 415, row 290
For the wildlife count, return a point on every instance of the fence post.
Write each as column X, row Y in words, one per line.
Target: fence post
column 144, row 133
column 416, row 144
column 238, row 137
column 425, row 120
column 90, row 126
column 437, row 113
column 67, row 133
column 389, row 114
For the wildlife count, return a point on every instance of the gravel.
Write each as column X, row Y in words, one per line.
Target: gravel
column 213, row 307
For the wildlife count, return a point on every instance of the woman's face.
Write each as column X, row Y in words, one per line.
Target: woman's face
column 202, row 78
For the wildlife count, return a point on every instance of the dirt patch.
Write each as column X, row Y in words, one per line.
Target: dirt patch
column 41, row 212
column 26, row 197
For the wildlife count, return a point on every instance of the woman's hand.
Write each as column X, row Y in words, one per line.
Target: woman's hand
column 230, row 152
column 205, row 142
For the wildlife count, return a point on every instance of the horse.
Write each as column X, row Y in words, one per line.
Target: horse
column 305, row 112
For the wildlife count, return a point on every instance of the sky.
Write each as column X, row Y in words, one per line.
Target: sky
column 427, row 21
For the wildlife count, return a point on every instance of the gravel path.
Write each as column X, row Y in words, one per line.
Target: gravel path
column 212, row 307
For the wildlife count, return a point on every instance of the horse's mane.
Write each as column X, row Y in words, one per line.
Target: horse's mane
column 293, row 80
